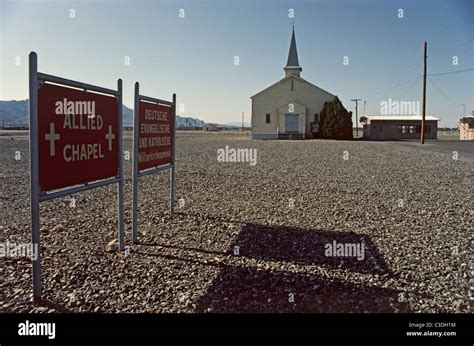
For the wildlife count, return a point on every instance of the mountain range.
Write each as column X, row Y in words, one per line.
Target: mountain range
column 16, row 113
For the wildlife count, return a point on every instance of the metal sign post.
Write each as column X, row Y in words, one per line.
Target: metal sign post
column 135, row 164
column 153, row 114
column 120, row 198
column 34, row 176
column 63, row 160
column 173, row 167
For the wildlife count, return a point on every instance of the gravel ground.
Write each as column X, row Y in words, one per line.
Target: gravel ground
column 252, row 238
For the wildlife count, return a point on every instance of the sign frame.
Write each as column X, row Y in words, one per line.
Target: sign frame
column 136, row 173
column 36, row 195
column 315, row 125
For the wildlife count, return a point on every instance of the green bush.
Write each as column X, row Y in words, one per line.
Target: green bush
column 336, row 120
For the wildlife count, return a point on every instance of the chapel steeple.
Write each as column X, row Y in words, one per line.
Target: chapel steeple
column 292, row 65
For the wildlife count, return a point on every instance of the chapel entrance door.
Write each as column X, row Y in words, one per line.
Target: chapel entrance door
column 291, row 123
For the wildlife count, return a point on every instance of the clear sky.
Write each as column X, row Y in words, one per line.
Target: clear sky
column 194, row 56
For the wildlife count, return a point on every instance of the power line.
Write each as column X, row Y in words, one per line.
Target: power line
column 443, row 73
column 357, row 120
column 411, row 81
column 442, row 93
column 409, row 87
column 444, row 55
column 447, row 107
column 423, row 105
column 463, row 44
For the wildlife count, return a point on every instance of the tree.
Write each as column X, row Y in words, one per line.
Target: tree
column 336, row 120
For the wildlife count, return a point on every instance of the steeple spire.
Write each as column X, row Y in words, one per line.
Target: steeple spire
column 292, row 65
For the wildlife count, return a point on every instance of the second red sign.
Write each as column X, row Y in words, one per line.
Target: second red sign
column 155, row 135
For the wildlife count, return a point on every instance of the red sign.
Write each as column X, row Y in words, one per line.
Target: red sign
column 77, row 135
column 155, row 135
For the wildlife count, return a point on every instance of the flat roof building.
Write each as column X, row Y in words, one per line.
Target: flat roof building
column 394, row 127
column 466, row 128
column 209, row 127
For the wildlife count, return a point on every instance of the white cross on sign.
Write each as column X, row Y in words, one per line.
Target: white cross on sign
column 109, row 136
column 51, row 137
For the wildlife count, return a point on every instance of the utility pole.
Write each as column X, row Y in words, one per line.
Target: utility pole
column 243, row 121
column 357, row 127
column 424, row 99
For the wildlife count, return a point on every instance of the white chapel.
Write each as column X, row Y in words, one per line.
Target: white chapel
column 289, row 109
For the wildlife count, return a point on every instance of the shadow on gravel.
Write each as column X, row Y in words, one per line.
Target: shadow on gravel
column 308, row 246
column 299, row 245
column 52, row 305
column 187, row 248
column 243, row 289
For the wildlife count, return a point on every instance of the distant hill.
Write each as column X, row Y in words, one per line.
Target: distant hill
column 16, row 112
column 237, row 124
column 188, row 121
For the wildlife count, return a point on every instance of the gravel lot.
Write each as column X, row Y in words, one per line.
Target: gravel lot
column 252, row 238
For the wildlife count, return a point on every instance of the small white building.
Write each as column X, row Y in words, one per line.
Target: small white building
column 209, row 127
column 466, row 128
column 393, row 127
column 289, row 108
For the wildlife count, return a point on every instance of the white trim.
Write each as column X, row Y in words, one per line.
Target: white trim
column 400, row 117
column 297, row 78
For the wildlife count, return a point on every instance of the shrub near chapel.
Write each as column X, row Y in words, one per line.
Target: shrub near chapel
column 336, row 121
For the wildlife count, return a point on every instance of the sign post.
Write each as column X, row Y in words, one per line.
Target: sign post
column 120, row 197
column 34, row 177
column 75, row 145
column 154, row 138
column 173, row 167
